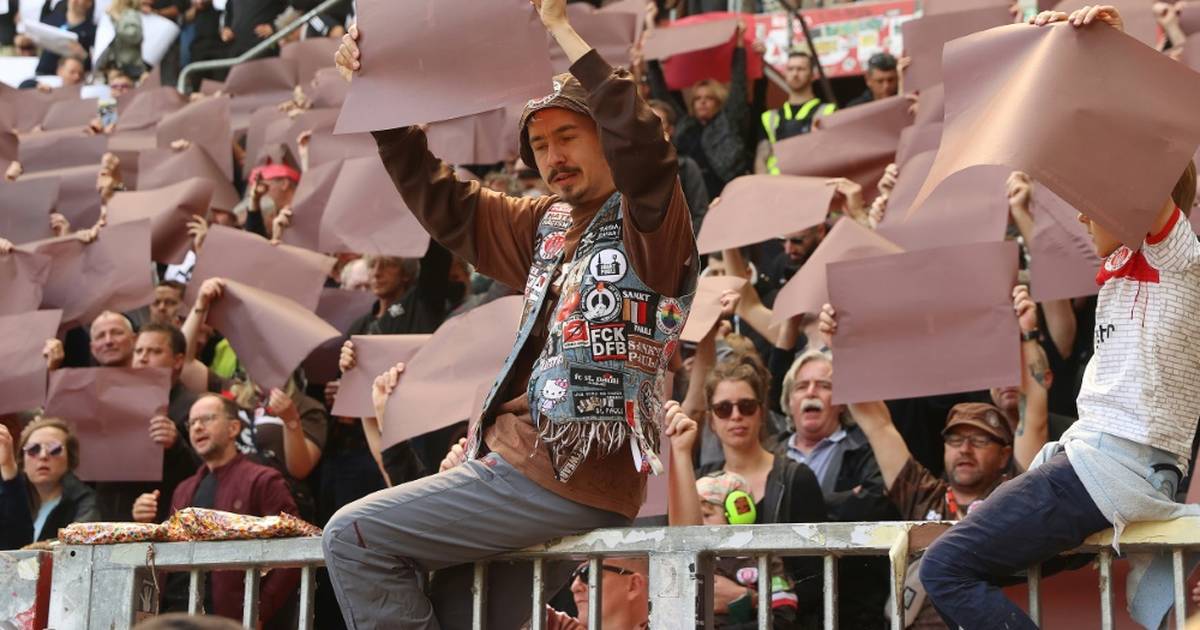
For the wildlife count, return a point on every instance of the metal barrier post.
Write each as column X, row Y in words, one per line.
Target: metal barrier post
column 479, row 597
column 1034, row 578
column 830, row 581
column 595, row 584
column 196, row 592
column 1106, row 596
column 764, row 592
column 308, row 592
column 673, row 588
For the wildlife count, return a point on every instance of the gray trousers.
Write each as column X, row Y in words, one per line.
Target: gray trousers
column 379, row 548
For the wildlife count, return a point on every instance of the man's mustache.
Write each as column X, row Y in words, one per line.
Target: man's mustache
column 564, row 171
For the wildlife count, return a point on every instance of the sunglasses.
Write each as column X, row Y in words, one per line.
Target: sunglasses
column 583, row 572
column 51, row 449
column 745, row 406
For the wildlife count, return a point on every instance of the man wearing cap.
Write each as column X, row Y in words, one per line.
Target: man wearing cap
column 273, row 186
column 569, row 431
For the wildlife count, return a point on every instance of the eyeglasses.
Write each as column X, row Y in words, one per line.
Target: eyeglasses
column 51, row 449
column 956, row 440
column 206, row 419
column 583, row 572
column 745, row 406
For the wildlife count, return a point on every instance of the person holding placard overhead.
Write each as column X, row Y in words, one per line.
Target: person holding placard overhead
column 1125, row 457
column 571, row 427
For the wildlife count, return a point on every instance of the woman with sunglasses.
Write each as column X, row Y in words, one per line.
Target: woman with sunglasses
column 38, row 492
column 787, row 491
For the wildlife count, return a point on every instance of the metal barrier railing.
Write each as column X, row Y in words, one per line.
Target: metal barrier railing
column 110, row 586
column 218, row 64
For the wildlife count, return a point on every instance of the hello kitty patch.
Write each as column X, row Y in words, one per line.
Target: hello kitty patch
column 553, row 392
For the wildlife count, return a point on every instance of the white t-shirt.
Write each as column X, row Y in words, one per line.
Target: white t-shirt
column 1143, row 382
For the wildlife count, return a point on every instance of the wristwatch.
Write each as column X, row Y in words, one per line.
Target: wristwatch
column 1033, row 335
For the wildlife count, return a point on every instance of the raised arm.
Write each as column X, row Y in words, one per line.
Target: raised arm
column 490, row 230
column 873, row 418
column 195, row 373
column 751, row 309
column 1033, row 406
column 683, row 504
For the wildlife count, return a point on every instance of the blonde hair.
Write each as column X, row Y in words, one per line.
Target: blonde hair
column 719, row 91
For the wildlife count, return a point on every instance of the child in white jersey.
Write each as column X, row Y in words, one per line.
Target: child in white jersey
column 1123, row 460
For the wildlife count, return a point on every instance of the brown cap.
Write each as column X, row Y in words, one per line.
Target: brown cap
column 568, row 94
column 983, row 416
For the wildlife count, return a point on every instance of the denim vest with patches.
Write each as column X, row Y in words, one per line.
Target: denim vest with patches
column 597, row 383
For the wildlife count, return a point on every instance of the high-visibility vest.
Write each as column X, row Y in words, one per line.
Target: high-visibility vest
column 772, row 118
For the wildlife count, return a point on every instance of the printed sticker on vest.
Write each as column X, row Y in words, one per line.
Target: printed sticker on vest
column 568, row 304
column 609, row 342
column 605, row 380
column 575, row 334
column 599, row 404
column 609, row 232
column 669, row 351
column 536, row 284
column 553, row 392
column 648, row 401
column 602, row 304
column 644, row 354
column 552, row 245
column 608, row 265
column 639, row 311
column 558, row 218
column 670, row 316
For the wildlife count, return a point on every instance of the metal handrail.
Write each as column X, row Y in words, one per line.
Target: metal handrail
column 263, row 46
column 99, row 586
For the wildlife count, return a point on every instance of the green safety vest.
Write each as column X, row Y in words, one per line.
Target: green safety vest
column 772, row 118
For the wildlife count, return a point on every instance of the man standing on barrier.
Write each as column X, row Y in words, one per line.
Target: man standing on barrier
column 570, row 428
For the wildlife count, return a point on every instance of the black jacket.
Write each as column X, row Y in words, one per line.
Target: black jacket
column 859, row 470
column 862, row 580
column 78, row 505
column 792, row 496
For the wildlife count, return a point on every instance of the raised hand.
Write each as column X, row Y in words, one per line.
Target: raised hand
column 8, row 457
column 283, row 220
column 197, row 228
column 1025, row 308
column 680, row 428
column 1019, row 195
column 1105, row 13
column 383, row 387
column 729, row 302
column 827, row 324
column 211, row 290
column 348, row 357
column 552, row 12
column 347, row 56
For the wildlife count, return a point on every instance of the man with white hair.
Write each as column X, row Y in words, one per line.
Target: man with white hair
column 825, row 440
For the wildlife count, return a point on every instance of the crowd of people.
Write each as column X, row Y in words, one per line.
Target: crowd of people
column 610, row 184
